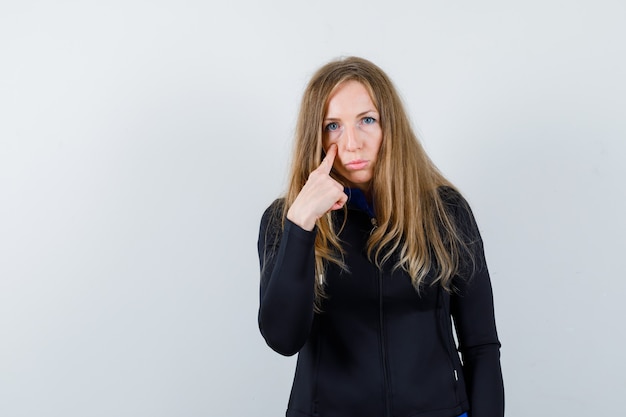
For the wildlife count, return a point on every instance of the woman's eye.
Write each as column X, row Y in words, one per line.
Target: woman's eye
column 369, row 120
column 331, row 127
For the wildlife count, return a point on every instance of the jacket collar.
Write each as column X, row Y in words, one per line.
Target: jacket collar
column 357, row 200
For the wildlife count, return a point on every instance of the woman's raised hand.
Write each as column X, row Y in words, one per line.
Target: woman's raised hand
column 320, row 194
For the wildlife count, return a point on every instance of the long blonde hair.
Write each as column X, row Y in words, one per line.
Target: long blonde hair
column 413, row 222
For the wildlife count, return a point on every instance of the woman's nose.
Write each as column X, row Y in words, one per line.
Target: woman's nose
column 352, row 139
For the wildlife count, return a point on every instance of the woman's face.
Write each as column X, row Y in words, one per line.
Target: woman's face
column 352, row 122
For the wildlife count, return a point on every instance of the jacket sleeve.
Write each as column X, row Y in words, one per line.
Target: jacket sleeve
column 287, row 260
column 473, row 313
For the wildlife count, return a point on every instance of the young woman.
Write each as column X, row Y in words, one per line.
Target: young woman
column 368, row 258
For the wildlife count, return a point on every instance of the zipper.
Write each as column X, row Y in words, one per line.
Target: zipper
column 374, row 223
column 383, row 347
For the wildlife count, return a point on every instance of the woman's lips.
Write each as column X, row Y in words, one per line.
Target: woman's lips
column 357, row 164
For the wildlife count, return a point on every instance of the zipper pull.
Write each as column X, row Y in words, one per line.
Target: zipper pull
column 456, row 376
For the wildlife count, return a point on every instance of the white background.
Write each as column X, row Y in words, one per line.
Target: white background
column 141, row 140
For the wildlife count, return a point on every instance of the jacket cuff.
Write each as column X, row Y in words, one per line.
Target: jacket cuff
column 296, row 231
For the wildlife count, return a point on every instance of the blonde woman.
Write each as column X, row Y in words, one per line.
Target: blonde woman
column 368, row 259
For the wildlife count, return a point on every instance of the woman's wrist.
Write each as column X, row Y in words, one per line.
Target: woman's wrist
column 301, row 219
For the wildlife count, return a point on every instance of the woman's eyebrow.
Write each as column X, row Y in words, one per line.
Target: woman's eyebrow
column 365, row 112
column 358, row 115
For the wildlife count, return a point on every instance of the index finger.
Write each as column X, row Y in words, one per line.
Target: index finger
column 327, row 163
